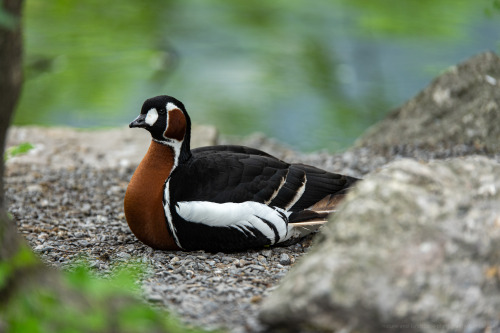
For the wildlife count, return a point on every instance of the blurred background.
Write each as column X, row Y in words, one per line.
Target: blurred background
column 314, row 75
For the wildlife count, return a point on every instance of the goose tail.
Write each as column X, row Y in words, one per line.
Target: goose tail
column 308, row 221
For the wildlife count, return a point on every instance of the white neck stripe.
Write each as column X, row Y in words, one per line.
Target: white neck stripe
column 171, row 106
column 175, row 145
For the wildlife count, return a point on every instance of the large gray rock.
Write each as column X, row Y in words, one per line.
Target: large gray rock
column 415, row 248
column 460, row 109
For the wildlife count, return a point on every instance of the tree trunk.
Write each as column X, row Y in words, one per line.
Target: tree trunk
column 25, row 283
column 10, row 89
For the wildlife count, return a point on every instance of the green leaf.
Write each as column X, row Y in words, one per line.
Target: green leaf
column 20, row 149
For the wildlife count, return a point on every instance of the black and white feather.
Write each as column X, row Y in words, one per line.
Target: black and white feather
column 229, row 198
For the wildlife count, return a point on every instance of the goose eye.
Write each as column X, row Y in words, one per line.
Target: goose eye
column 161, row 111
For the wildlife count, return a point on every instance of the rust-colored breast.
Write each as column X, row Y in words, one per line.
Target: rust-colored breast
column 144, row 198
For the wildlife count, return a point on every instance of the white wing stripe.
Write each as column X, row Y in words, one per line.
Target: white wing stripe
column 282, row 182
column 237, row 215
column 298, row 195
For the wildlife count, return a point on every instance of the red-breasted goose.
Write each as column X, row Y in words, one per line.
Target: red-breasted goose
column 220, row 198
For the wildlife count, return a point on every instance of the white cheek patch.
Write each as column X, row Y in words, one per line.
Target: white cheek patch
column 151, row 117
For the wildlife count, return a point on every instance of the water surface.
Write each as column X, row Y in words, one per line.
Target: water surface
column 313, row 75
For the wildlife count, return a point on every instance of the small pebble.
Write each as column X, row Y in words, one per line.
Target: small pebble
column 255, row 267
column 124, row 255
column 174, row 260
column 285, row 259
column 155, row 298
column 240, row 263
column 256, row 299
column 86, row 208
column 267, row 253
column 42, row 248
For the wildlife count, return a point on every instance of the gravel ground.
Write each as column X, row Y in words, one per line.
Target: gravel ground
column 71, row 211
column 74, row 212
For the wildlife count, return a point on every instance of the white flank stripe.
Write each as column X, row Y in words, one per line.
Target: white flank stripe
column 237, row 215
column 298, row 195
column 168, row 214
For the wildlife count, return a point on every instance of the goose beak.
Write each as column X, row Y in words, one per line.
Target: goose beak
column 139, row 122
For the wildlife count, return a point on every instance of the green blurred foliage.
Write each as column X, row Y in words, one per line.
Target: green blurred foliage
column 22, row 260
column 493, row 9
column 312, row 74
column 20, row 149
column 84, row 59
column 413, row 18
column 84, row 304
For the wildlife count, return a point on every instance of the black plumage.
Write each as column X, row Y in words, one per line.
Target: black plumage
column 237, row 174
